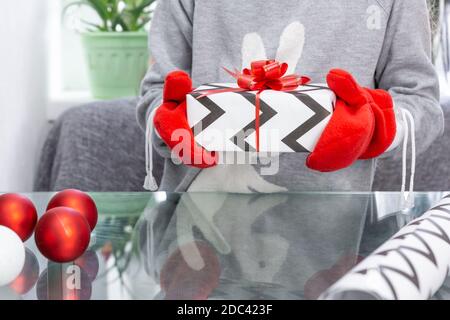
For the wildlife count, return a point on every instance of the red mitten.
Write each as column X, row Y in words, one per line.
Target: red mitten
column 171, row 118
column 385, row 124
column 362, row 126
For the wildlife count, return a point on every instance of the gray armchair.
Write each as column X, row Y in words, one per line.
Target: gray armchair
column 95, row 147
column 99, row 147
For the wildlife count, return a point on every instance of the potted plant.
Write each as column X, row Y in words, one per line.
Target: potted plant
column 115, row 43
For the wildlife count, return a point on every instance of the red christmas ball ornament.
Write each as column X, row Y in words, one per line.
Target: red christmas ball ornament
column 29, row 275
column 78, row 201
column 324, row 279
column 318, row 283
column 181, row 281
column 89, row 263
column 62, row 235
column 19, row 214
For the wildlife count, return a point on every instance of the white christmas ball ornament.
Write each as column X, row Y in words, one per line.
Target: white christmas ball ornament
column 12, row 256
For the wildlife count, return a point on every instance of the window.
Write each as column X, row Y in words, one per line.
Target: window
column 68, row 80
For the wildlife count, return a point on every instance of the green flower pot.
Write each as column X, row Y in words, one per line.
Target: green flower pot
column 117, row 62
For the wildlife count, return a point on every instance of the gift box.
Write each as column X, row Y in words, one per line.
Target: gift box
column 224, row 120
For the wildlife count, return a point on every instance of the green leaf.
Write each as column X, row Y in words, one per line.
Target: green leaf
column 143, row 23
column 134, row 16
column 93, row 26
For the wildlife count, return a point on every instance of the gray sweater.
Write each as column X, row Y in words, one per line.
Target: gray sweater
column 383, row 43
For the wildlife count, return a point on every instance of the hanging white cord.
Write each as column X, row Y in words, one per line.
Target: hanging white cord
column 150, row 181
column 407, row 198
column 404, row 152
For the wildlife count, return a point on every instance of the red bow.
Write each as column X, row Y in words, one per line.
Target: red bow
column 262, row 75
column 267, row 75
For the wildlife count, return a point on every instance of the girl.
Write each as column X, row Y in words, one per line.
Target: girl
column 384, row 44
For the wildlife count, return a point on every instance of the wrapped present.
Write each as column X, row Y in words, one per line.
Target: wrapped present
column 264, row 112
column 412, row 265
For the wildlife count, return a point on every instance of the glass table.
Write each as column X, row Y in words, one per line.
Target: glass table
column 218, row 246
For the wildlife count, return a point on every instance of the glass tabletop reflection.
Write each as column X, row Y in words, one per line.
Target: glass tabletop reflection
column 218, row 246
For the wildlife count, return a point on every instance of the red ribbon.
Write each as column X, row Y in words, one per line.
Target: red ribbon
column 262, row 75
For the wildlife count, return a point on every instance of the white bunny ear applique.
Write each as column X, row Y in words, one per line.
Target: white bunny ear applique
column 291, row 45
column 252, row 49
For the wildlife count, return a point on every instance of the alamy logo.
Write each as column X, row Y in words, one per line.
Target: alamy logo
column 374, row 13
column 290, row 48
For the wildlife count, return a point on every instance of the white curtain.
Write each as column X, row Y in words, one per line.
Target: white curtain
column 23, row 91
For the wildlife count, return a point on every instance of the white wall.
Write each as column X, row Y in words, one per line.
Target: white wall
column 23, row 91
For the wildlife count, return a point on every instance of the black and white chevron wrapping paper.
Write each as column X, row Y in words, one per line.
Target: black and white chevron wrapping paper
column 289, row 121
column 412, row 265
